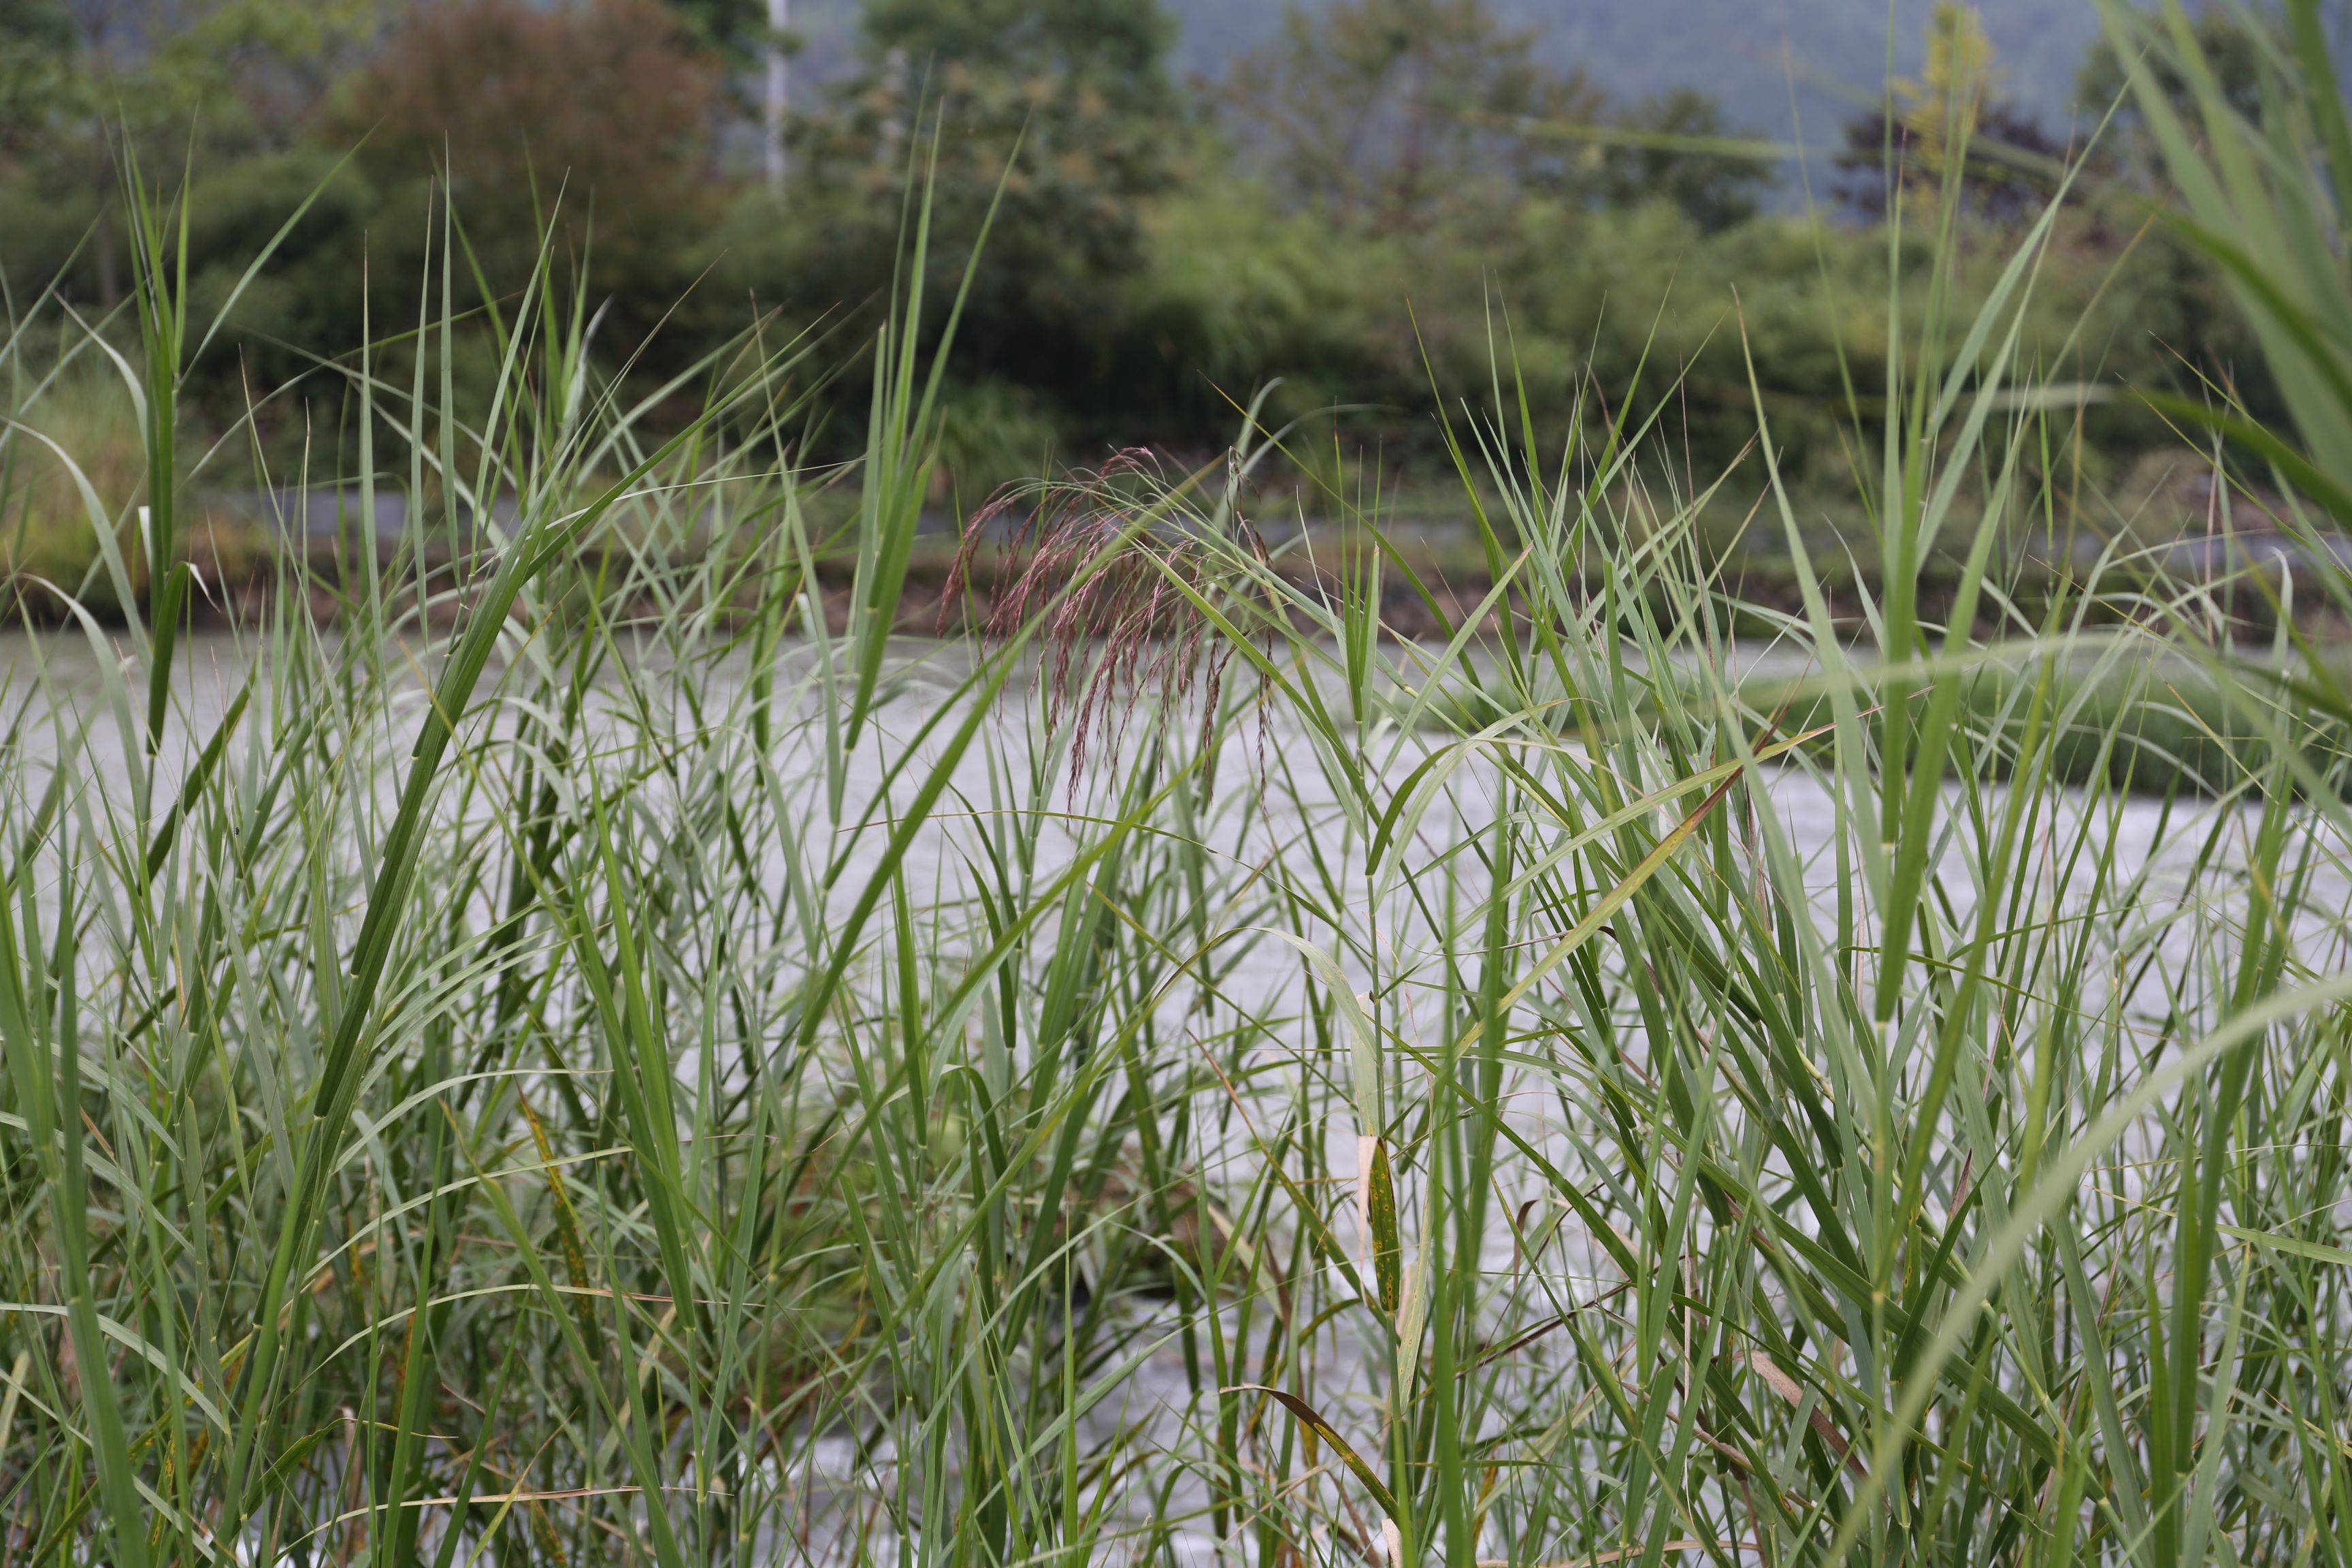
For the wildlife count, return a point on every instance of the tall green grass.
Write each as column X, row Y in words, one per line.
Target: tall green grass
column 592, row 1057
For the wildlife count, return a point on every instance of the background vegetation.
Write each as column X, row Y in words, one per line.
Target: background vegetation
column 1360, row 207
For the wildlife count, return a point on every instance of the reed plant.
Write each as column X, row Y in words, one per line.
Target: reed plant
column 599, row 1053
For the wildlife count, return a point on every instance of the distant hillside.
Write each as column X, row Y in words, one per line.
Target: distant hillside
column 1745, row 52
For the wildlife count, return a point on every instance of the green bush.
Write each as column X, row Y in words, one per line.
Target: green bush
column 1147, row 273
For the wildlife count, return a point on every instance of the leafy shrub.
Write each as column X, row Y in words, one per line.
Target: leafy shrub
column 602, row 107
column 46, row 527
column 991, row 436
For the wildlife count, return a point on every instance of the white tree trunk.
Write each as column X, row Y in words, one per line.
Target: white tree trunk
column 777, row 98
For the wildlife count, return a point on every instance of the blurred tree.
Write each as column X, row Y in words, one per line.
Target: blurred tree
column 1960, row 76
column 1079, row 88
column 1682, row 152
column 1109, row 43
column 252, row 71
column 40, row 70
column 257, row 70
column 1081, row 85
column 2232, row 46
column 246, row 73
column 734, row 27
column 609, row 102
column 80, row 79
column 2229, row 45
column 1395, row 112
column 2011, row 163
column 2204, row 331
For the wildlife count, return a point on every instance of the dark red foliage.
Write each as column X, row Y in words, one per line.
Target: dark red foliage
column 611, row 102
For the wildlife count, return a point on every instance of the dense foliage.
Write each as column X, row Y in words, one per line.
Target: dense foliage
column 1385, row 190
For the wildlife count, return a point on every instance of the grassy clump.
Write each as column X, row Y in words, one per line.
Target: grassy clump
column 603, row 1060
column 46, row 527
column 2119, row 712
